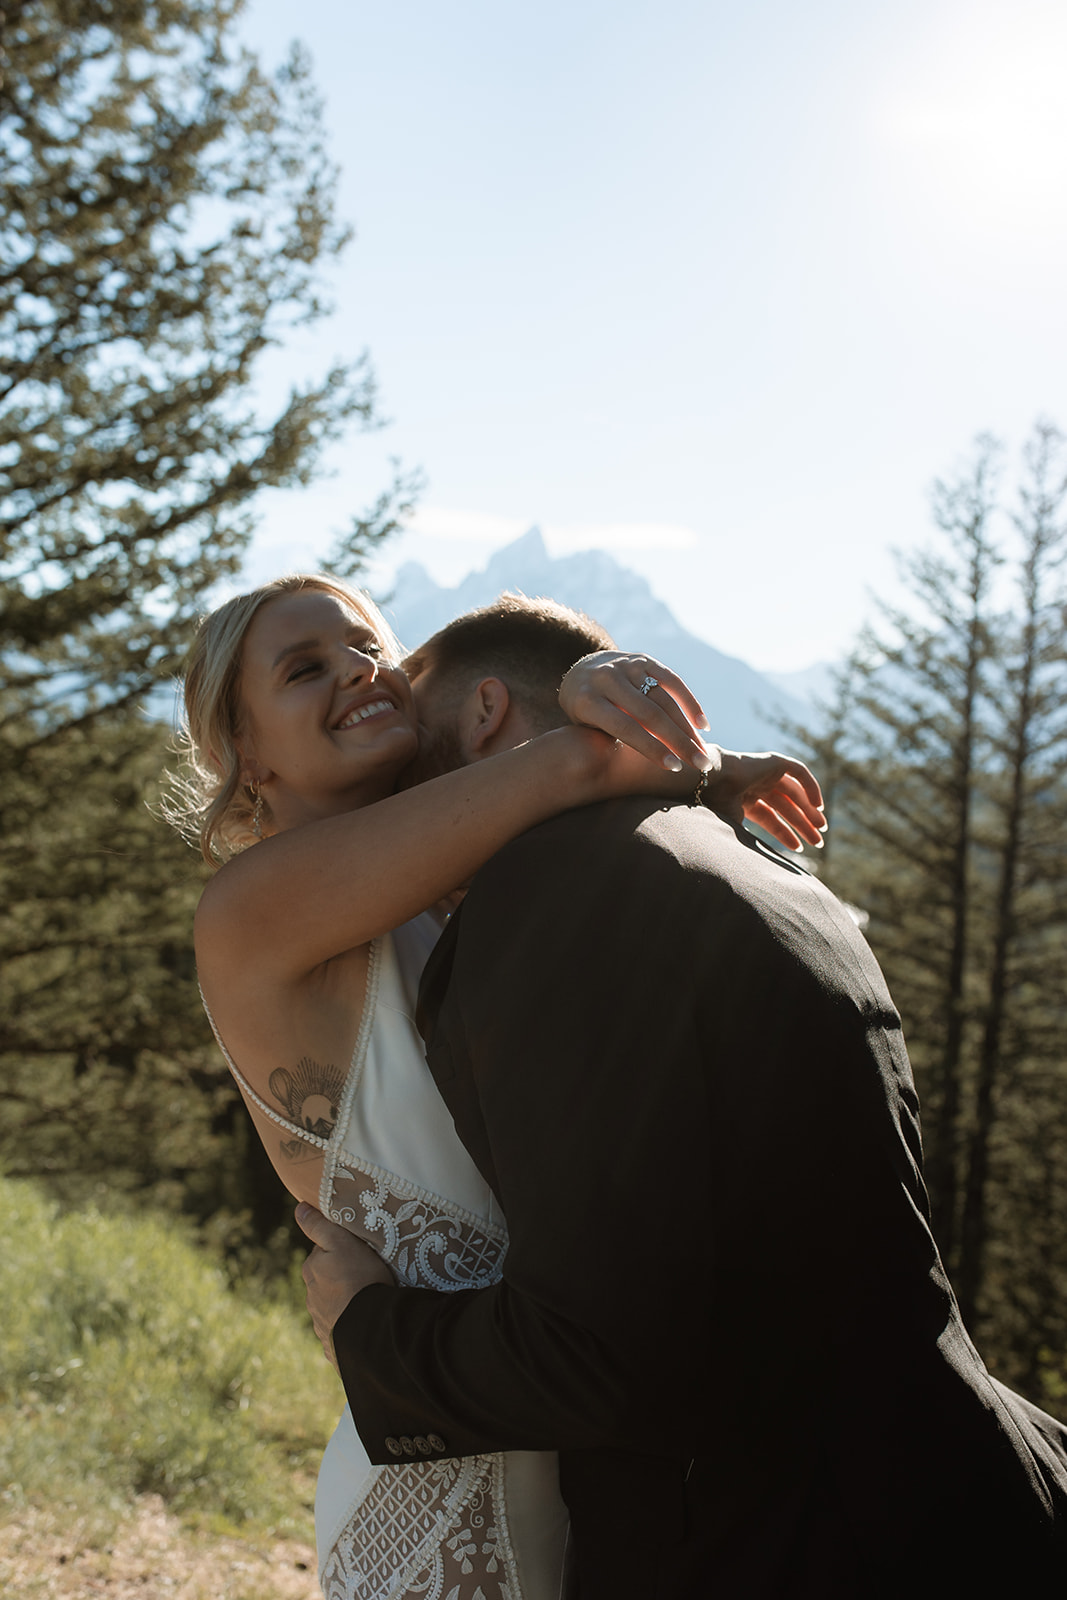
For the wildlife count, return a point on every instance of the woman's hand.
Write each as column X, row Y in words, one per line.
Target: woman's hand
column 604, row 691
column 778, row 793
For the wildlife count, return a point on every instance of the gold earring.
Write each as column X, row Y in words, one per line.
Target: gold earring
column 257, row 809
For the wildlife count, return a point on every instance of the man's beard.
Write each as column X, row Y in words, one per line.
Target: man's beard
column 439, row 752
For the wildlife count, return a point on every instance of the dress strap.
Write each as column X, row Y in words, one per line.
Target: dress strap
column 354, row 1077
column 247, row 1089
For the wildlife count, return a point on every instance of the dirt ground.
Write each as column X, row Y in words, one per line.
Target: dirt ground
column 149, row 1554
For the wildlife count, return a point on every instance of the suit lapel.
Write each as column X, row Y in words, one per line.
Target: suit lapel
column 446, row 1051
column 435, row 979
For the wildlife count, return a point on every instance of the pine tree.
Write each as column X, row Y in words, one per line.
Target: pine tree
column 166, row 210
column 1021, row 852
column 166, row 207
column 949, row 749
column 907, row 742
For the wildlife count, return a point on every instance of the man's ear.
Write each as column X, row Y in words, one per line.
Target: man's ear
column 482, row 717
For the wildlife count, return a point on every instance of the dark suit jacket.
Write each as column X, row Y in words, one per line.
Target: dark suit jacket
column 676, row 1062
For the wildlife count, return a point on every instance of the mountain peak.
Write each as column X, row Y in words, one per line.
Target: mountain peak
column 527, row 553
column 528, row 544
column 741, row 702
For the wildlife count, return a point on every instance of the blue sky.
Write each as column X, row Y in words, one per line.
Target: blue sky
column 721, row 288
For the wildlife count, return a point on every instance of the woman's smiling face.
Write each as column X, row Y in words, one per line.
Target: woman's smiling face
column 327, row 724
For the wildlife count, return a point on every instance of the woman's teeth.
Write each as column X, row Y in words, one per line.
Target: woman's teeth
column 361, row 713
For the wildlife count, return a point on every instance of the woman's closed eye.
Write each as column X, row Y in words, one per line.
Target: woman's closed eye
column 368, row 646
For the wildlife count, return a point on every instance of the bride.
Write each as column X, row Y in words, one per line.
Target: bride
column 301, row 723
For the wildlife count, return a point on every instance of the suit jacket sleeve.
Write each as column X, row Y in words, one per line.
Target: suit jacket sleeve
column 567, row 1078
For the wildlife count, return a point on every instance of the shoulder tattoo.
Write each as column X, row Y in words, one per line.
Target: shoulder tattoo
column 310, row 1096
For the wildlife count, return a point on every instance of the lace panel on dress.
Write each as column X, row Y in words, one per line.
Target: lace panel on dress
column 428, row 1243
column 437, row 1530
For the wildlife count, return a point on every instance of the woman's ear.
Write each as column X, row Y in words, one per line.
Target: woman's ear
column 252, row 771
column 254, row 774
column 482, row 717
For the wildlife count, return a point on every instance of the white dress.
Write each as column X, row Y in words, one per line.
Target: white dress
column 488, row 1527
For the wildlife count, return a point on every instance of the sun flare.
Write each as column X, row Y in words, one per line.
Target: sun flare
column 980, row 121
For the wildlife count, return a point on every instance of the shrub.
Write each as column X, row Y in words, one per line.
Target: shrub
column 128, row 1365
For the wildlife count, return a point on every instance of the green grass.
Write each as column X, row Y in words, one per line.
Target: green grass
column 128, row 1366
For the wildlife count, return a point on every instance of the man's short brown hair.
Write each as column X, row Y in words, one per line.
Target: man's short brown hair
column 528, row 643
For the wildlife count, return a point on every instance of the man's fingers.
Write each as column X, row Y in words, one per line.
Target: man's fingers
column 319, row 1229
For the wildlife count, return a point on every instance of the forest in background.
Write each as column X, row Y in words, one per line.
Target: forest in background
column 944, row 762
column 167, row 215
column 166, row 218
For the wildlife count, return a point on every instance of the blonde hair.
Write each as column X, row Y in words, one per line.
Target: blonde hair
column 207, row 802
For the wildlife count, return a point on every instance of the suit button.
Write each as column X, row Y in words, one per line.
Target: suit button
column 435, row 1442
column 394, row 1447
column 423, row 1445
column 407, row 1445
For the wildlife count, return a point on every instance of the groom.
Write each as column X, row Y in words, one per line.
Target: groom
column 676, row 1062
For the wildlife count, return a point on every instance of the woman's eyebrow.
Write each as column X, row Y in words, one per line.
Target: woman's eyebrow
column 292, row 650
column 364, row 633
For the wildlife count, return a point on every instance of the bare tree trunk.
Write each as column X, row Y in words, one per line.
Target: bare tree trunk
column 963, row 512
column 1026, row 728
column 941, row 1162
column 973, row 1228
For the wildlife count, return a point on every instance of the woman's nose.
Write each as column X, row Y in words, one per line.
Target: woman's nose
column 355, row 666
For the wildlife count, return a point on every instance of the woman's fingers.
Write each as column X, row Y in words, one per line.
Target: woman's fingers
column 807, row 784
column 771, row 821
column 672, row 751
column 640, row 702
column 660, row 714
column 795, row 799
column 793, row 805
column 778, row 792
column 675, row 689
column 602, row 688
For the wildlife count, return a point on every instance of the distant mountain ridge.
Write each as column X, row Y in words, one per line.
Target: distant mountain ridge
column 743, row 704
